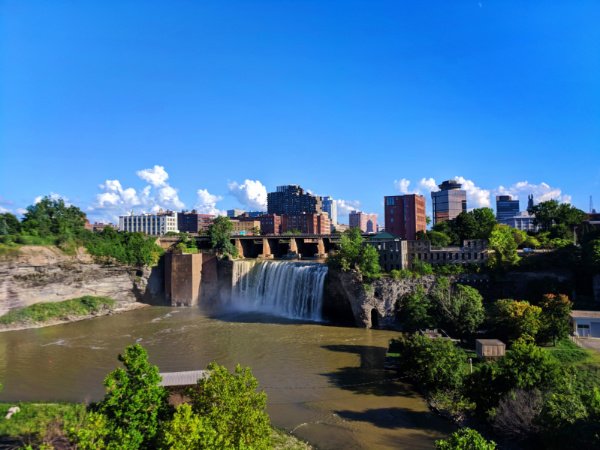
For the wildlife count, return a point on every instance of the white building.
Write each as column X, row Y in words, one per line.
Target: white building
column 156, row 224
column 586, row 323
column 523, row 221
column 330, row 207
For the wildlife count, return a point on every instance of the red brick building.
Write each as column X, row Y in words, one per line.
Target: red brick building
column 270, row 224
column 405, row 215
column 306, row 223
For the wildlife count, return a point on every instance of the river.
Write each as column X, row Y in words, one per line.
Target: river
column 323, row 382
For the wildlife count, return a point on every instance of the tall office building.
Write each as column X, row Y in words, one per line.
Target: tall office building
column 405, row 215
column 292, row 200
column 449, row 201
column 367, row 223
column 330, row 207
column 506, row 208
column 235, row 212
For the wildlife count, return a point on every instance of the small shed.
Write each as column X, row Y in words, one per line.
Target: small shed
column 586, row 323
column 490, row 348
column 178, row 383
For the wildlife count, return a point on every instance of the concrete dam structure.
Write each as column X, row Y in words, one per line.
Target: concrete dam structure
column 289, row 289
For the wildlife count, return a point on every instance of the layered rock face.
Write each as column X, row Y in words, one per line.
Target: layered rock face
column 44, row 274
column 348, row 299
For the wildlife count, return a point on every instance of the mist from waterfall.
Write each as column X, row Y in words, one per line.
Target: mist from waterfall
column 283, row 288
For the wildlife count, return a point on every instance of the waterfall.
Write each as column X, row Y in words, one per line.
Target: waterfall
column 282, row 288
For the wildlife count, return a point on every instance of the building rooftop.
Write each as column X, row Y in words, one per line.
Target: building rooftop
column 492, row 342
column 187, row 378
column 589, row 314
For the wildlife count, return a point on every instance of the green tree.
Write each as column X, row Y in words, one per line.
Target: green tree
column 514, row 319
column 9, row 224
column 504, row 247
column 414, row 310
column 438, row 238
column 555, row 312
column 458, row 308
column 355, row 254
column 188, row 430
column 526, row 366
column 233, row 408
column 465, row 439
column 219, row 233
column 435, row 364
column 53, row 218
column 558, row 218
column 485, row 220
column 134, row 401
column 465, row 226
column 591, row 254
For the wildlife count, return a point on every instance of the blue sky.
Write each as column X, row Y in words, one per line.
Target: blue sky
column 131, row 105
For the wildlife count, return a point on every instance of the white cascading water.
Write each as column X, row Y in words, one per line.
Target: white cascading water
column 282, row 288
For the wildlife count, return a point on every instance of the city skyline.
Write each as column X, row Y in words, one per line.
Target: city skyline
column 211, row 106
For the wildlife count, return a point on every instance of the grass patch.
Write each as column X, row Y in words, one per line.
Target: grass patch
column 38, row 423
column 43, row 312
column 567, row 352
column 9, row 249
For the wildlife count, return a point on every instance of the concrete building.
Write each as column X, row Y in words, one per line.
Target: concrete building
column 293, row 200
column 405, row 215
column 156, row 224
column 330, row 207
column 249, row 227
column 393, row 251
column 586, row 323
column 306, row 223
column 233, row 213
column 192, row 222
column 522, row 221
column 367, row 223
column 506, row 208
column 449, row 201
column 270, row 224
column 473, row 251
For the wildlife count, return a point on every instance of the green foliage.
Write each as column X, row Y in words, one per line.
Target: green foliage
column 9, row 224
column 591, row 254
column 482, row 386
column 434, row 364
column 504, row 246
column 557, row 218
column 438, row 238
column 355, row 254
column 526, row 366
column 133, row 404
column 401, row 274
column 421, row 268
column 219, row 233
column 475, row 224
column 233, row 408
column 43, row 312
column 414, row 310
column 188, row 430
column 555, row 317
column 465, row 439
column 135, row 249
column 459, row 308
column 52, row 217
column 515, row 319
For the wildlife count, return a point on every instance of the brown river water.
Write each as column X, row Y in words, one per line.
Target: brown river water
column 324, row 383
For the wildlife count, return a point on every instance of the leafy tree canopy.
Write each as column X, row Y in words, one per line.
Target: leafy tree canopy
column 355, row 254
column 465, row 439
column 9, row 224
column 502, row 242
column 514, row 319
column 557, row 218
column 219, row 233
column 52, row 217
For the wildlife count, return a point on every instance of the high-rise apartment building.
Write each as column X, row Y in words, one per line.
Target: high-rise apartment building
column 449, row 201
column 292, row 200
column 506, row 208
column 235, row 212
column 405, row 215
column 367, row 223
column 156, row 224
column 330, row 207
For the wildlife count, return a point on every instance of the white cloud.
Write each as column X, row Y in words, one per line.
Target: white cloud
column 157, row 176
column 476, row 197
column 428, row 184
column 4, row 210
column 53, row 196
column 115, row 200
column 251, row 193
column 402, row 185
column 207, row 203
column 344, row 207
column 541, row 192
column 21, row 211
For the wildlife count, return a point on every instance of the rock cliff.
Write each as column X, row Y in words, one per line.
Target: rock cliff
column 44, row 274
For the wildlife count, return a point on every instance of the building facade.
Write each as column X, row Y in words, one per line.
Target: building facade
column 473, row 251
column 367, row 223
column 245, row 227
column 156, row 224
column 293, row 200
column 405, row 215
column 330, row 207
column 522, row 221
column 306, row 223
column 233, row 213
column 506, row 208
column 270, row 224
column 449, row 201
column 192, row 222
